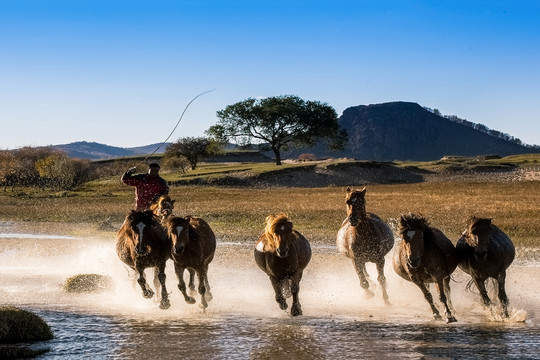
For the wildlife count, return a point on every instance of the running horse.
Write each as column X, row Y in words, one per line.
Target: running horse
column 163, row 208
column 364, row 237
column 283, row 254
column 485, row 251
column 425, row 255
column 193, row 248
column 142, row 243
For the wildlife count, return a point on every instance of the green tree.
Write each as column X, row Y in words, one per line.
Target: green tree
column 281, row 122
column 193, row 149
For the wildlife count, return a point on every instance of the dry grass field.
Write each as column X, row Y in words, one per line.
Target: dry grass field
column 237, row 214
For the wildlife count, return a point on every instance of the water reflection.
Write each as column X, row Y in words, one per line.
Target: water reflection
column 235, row 337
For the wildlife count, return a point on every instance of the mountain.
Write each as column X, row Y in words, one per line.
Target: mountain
column 379, row 132
column 407, row 131
column 96, row 151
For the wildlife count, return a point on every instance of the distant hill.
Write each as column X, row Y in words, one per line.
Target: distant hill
column 379, row 132
column 407, row 131
column 96, row 151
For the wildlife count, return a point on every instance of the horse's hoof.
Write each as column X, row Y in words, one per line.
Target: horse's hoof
column 437, row 317
column 165, row 304
column 208, row 296
column 190, row 300
column 296, row 311
column 451, row 319
column 387, row 303
column 148, row 294
column 282, row 305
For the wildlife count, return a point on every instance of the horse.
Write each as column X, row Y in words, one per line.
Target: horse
column 142, row 243
column 163, row 208
column 283, row 254
column 193, row 248
column 364, row 237
column 425, row 255
column 485, row 251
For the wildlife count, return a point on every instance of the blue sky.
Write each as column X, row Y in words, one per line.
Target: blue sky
column 121, row 72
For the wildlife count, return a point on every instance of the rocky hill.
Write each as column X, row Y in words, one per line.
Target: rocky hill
column 407, row 131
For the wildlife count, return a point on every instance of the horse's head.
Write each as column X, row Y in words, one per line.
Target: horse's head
column 411, row 229
column 138, row 224
column 178, row 230
column 356, row 205
column 478, row 235
column 163, row 207
column 278, row 233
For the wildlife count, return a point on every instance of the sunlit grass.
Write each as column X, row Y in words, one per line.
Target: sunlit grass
column 237, row 214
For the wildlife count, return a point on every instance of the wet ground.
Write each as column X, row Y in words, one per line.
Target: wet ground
column 243, row 321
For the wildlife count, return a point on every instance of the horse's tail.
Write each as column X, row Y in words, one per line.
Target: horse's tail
column 470, row 287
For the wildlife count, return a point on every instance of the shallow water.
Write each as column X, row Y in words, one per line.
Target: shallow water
column 243, row 321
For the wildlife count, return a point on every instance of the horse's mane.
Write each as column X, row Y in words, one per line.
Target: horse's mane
column 274, row 222
column 134, row 215
column 412, row 221
column 159, row 201
column 472, row 223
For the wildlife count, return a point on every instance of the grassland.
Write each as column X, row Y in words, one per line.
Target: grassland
column 237, row 213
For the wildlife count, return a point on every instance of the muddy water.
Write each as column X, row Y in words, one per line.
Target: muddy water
column 243, row 321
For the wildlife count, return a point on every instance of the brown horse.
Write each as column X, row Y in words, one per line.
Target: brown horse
column 426, row 255
column 283, row 254
column 142, row 243
column 193, row 248
column 364, row 237
column 163, row 208
column 484, row 251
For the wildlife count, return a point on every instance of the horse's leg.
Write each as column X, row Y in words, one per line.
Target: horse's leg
column 202, row 288
column 480, row 284
column 157, row 283
column 279, row 295
column 179, row 270
column 296, row 308
column 191, row 284
column 428, row 297
column 446, row 287
column 360, row 268
column 503, row 298
column 444, row 300
column 382, row 280
column 209, row 296
column 159, row 280
column 147, row 292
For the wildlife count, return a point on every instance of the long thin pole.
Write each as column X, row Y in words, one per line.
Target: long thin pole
column 177, row 123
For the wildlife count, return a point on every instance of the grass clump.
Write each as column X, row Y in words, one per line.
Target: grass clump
column 18, row 326
column 85, row 283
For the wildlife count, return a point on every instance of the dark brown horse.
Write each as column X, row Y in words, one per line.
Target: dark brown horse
column 283, row 254
column 163, row 208
column 425, row 255
column 364, row 237
column 484, row 251
column 193, row 248
column 142, row 243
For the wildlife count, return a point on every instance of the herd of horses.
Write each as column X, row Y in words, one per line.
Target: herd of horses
column 422, row 255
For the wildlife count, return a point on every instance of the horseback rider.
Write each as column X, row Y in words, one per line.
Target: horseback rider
column 148, row 186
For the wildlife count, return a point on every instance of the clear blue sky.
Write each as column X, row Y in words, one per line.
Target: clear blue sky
column 121, row 72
